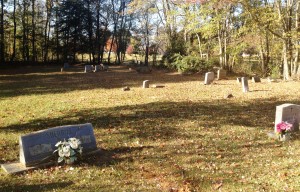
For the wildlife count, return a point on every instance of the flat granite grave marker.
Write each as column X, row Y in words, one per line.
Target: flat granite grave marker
column 245, row 84
column 221, row 74
column 37, row 148
column 209, row 77
column 88, row 68
column 146, row 84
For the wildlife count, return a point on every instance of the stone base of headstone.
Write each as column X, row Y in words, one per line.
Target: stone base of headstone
column 17, row 167
column 158, row 86
column 275, row 136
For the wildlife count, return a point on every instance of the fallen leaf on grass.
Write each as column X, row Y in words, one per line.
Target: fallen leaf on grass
column 218, row 185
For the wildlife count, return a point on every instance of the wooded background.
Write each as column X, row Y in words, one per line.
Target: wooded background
column 190, row 34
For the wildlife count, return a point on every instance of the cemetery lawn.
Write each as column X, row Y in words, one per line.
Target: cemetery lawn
column 183, row 137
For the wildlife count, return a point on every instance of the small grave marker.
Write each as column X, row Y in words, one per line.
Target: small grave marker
column 245, row 84
column 158, row 86
column 209, row 78
column 221, row 74
column 37, row 148
column 126, row 88
column 256, row 79
column 146, row 84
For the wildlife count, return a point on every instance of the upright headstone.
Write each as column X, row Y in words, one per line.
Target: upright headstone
column 37, row 148
column 146, row 84
column 97, row 68
column 209, row 78
column 256, row 79
column 221, row 74
column 288, row 112
column 88, row 68
column 104, row 67
column 245, row 84
column 66, row 65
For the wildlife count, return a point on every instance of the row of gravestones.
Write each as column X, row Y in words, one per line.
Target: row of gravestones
column 210, row 76
column 96, row 68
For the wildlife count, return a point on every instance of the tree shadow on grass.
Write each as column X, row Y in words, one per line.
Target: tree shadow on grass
column 8, row 187
column 145, row 119
column 165, row 122
column 51, row 81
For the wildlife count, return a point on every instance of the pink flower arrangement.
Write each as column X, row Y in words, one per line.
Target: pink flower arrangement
column 284, row 127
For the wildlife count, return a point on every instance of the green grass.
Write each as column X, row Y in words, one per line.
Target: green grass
column 184, row 137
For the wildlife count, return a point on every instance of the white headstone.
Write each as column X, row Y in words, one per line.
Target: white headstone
column 209, row 77
column 245, row 84
column 88, row 68
column 288, row 112
column 146, row 84
column 221, row 74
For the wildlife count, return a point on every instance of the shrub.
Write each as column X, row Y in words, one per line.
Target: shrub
column 191, row 64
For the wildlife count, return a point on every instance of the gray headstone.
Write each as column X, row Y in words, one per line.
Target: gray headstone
column 288, row 112
column 88, row 68
column 146, row 84
column 209, row 78
column 239, row 80
column 256, row 79
column 245, row 84
column 97, row 68
column 221, row 74
column 66, row 65
column 104, row 67
column 37, row 146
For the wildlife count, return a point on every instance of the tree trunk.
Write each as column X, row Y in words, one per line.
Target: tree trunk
column 2, row 45
column 15, row 32
column 33, row 31
column 286, row 72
